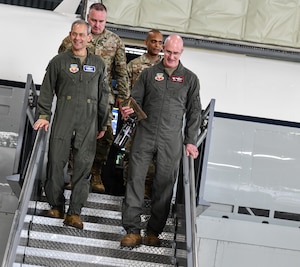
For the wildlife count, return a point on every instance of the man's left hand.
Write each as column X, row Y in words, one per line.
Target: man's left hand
column 100, row 134
column 191, row 150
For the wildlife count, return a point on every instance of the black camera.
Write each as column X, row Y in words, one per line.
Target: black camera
column 125, row 132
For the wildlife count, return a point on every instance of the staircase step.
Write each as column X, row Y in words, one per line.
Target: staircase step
column 48, row 242
column 46, row 257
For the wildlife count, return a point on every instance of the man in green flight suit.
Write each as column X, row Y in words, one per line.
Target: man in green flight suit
column 111, row 49
column 154, row 43
column 167, row 92
column 78, row 79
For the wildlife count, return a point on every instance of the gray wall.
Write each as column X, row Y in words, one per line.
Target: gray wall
column 11, row 102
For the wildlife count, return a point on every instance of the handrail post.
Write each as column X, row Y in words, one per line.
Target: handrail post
column 189, row 183
column 190, row 209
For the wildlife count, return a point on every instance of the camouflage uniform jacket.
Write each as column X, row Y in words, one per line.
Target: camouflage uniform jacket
column 137, row 65
column 111, row 49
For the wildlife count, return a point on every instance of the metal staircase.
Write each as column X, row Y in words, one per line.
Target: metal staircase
column 47, row 242
column 36, row 240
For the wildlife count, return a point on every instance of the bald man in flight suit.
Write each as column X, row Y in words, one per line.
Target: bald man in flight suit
column 166, row 92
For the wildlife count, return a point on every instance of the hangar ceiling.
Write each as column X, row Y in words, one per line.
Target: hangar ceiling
column 269, row 22
column 264, row 28
column 268, row 28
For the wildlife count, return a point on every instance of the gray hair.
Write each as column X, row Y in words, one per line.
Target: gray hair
column 82, row 22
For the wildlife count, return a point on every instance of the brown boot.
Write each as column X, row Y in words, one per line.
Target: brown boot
column 68, row 186
column 151, row 240
column 97, row 184
column 57, row 213
column 74, row 221
column 131, row 240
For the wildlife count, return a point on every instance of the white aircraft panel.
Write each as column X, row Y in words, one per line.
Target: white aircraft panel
column 30, row 38
column 246, row 85
column 254, row 165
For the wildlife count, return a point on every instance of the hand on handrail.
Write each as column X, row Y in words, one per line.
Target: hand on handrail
column 191, row 150
column 41, row 123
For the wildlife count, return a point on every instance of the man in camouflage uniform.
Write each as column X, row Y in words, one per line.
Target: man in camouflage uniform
column 111, row 49
column 153, row 42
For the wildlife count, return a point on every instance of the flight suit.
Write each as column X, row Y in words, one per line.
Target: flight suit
column 165, row 99
column 134, row 69
column 111, row 49
column 81, row 111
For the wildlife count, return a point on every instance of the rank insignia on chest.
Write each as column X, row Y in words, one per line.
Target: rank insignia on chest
column 159, row 77
column 74, row 68
column 177, row 79
column 88, row 68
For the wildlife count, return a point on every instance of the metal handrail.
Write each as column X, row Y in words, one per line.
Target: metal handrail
column 204, row 143
column 189, row 182
column 28, row 113
column 190, row 209
column 33, row 172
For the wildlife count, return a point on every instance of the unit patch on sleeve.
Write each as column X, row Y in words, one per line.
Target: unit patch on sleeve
column 177, row 79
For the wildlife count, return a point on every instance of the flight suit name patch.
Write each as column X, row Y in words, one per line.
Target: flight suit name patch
column 177, row 79
column 159, row 77
column 88, row 68
column 74, row 68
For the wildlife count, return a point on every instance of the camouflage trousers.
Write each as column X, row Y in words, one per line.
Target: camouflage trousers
column 102, row 150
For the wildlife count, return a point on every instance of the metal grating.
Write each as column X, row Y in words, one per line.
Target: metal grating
column 47, row 242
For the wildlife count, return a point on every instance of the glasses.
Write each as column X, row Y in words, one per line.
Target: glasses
column 170, row 53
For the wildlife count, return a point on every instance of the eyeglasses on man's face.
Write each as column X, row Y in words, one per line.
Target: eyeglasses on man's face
column 170, row 53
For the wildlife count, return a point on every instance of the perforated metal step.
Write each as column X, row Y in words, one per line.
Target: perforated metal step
column 47, row 242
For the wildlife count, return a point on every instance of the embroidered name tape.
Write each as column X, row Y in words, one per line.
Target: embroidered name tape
column 177, row 79
column 88, row 68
